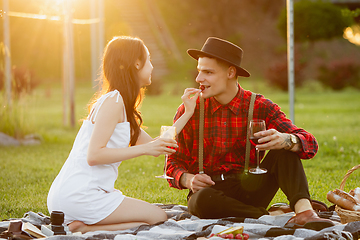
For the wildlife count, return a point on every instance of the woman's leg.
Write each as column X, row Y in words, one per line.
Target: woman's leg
column 130, row 213
column 78, row 226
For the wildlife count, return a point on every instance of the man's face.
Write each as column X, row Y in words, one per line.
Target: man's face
column 213, row 76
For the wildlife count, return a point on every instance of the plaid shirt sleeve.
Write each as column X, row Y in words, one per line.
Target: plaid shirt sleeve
column 277, row 119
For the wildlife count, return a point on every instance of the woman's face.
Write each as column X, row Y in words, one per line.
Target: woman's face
column 146, row 70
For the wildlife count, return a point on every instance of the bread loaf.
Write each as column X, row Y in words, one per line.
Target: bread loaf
column 343, row 199
column 356, row 194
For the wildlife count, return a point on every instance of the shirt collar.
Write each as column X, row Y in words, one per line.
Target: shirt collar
column 233, row 105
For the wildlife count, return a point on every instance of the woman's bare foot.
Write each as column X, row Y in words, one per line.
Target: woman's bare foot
column 77, row 226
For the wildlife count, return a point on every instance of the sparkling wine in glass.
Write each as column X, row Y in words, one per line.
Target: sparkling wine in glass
column 167, row 132
column 256, row 125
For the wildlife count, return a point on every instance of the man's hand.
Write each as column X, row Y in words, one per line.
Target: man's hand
column 196, row 182
column 273, row 139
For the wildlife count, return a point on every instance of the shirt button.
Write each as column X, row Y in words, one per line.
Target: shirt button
column 225, row 123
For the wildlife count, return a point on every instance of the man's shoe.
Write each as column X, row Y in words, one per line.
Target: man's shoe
column 318, row 206
column 310, row 220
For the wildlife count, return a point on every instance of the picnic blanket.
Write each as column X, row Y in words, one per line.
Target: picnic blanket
column 182, row 225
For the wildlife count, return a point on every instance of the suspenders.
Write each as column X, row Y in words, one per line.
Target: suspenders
column 201, row 134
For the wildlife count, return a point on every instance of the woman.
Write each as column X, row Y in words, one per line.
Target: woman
column 84, row 188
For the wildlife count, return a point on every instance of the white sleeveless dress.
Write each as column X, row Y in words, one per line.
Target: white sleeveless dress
column 86, row 193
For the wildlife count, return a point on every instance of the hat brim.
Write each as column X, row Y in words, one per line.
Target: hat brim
column 194, row 53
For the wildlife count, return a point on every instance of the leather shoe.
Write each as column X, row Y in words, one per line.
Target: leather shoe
column 319, row 206
column 285, row 208
column 310, row 220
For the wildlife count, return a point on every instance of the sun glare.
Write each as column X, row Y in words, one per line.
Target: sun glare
column 58, row 1
column 352, row 34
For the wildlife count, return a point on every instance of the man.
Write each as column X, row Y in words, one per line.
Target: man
column 225, row 189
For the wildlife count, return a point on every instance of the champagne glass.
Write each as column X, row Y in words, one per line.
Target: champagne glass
column 167, row 132
column 256, row 125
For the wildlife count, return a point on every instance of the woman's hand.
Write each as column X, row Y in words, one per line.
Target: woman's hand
column 160, row 146
column 190, row 101
column 189, row 104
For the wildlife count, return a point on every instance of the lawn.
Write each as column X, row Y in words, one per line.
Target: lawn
column 26, row 172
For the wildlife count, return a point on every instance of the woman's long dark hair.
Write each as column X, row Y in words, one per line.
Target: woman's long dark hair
column 119, row 73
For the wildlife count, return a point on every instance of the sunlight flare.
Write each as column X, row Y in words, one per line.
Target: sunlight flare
column 352, row 34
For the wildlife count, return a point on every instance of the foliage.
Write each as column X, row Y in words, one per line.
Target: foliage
column 14, row 120
column 277, row 74
column 351, row 13
column 23, row 81
column 220, row 16
column 227, row 19
column 315, row 20
column 14, row 114
column 339, row 74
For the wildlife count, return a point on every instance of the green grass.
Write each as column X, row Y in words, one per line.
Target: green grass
column 26, row 172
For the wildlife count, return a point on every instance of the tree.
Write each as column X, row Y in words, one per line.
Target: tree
column 316, row 21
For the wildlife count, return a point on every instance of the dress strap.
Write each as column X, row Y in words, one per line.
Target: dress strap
column 101, row 100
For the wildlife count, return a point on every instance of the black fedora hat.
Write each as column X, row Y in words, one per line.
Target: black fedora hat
column 223, row 50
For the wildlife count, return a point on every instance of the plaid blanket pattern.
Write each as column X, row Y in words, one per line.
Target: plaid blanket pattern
column 182, row 225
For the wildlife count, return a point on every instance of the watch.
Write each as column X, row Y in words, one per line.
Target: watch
column 293, row 140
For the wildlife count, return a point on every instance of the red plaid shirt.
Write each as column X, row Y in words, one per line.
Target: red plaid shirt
column 225, row 136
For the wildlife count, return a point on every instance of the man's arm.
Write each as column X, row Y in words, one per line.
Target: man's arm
column 282, row 132
column 178, row 163
column 185, row 180
column 182, row 165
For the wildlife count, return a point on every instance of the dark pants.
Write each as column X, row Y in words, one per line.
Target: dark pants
column 250, row 195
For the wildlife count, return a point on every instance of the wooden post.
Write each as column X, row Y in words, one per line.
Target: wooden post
column 93, row 40
column 7, row 70
column 71, row 66
column 101, row 33
column 65, row 74
column 68, row 66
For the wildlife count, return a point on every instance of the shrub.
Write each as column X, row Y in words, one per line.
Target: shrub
column 23, row 81
column 277, row 74
column 14, row 121
column 339, row 74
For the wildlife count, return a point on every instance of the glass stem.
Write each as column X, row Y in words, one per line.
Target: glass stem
column 166, row 158
column 258, row 158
